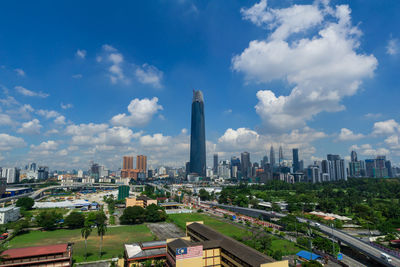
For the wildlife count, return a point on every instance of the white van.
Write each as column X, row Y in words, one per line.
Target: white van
column 386, row 257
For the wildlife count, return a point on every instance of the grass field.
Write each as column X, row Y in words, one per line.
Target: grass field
column 220, row 226
column 287, row 247
column 113, row 241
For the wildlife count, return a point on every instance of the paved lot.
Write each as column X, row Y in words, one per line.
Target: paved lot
column 165, row 230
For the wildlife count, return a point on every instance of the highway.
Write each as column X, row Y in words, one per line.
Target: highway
column 357, row 244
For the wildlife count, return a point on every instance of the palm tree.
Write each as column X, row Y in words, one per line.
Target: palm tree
column 101, row 231
column 86, row 230
column 101, row 225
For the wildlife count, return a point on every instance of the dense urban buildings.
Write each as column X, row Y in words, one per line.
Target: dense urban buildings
column 198, row 136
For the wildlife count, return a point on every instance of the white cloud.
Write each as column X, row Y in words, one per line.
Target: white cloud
column 48, row 145
column 373, row 115
column 116, row 59
column 30, row 127
column 62, row 152
column 392, row 47
column 77, row 76
column 368, row 150
column 20, row 72
column 148, row 74
column 81, row 53
column 86, row 129
column 323, row 68
column 26, row 92
column 154, row 140
column 109, row 48
column 141, row 112
column 240, row 138
column 48, row 114
column 52, row 131
column 386, row 127
column 9, row 142
column 115, row 136
column 66, row 106
column 348, row 135
column 60, row 120
column 5, row 119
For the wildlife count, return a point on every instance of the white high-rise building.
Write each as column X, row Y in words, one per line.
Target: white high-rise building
column 80, row 174
column 11, row 174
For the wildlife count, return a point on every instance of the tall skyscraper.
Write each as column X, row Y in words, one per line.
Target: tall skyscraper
column 280, row 155
column 272, row 157
column 198, row 136
column 296, row 166
column 215, row 167
column 141, row 163
column 127, row 163
column 246, row 165
column 336, row 168
column 353, row 156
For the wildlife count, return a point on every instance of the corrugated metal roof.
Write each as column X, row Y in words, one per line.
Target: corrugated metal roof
column 308, row 255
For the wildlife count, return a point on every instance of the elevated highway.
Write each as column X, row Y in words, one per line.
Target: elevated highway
column 353, row 242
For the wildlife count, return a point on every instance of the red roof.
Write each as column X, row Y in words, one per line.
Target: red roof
column 35, row 251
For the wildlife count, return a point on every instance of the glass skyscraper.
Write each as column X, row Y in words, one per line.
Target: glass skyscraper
column 198, row 136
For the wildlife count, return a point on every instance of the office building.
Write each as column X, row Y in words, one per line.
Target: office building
column 215, row 167
column 272, row 157
column 370, row 168
column 353, row 156
column 280, row 155
column 50, row 255
column 141, row 163
column 32, row 167
column 138, row 254
column 127, row 163
column 11, row 174
column 245, row 164
column 336, row 168
column 205, row 247
column 43, row 173
column 296, row 166
column 3, row 185
column 198, row 136
column 141, row 201
column 123, row 192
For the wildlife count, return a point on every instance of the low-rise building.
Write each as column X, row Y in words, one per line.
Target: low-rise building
column 136, row 253
column 9, row 214
column 207, row 247
column 141, row 201
column 59, row 255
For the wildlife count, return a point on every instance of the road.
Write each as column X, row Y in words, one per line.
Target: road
column 349, row 240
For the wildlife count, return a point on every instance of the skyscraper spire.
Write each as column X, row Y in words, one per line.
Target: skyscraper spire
column 272, row 156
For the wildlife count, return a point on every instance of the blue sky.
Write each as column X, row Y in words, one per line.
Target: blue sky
column 84, row 81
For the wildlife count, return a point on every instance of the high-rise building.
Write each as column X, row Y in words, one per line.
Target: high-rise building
column 43, row 173
column 32, row 167
column 246, row 165
column 235, row 166
column 388, row 166
column 11, row 174
column 198, row 136
column 280, row 155
column 272, row 156
column 370, row 168
column 296, row 166
column 336, row 168
column 215, row 167
column 141, row 163
column 353, row 156
column 127, row 163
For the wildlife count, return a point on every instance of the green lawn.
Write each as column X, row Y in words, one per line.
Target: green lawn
column 287, row 247
column 113, row 242
column 218, row 225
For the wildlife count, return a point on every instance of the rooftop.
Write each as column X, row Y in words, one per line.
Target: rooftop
column 7, row 209
column 35, row 251
column 134, row 251
column 243, row 252
column 308, row 255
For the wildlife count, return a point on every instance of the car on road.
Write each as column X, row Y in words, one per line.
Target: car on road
column 386, row 257
column 317, row 225
column 3, row 236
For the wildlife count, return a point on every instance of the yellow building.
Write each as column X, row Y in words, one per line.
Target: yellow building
column 141, row 201
column 210, row 248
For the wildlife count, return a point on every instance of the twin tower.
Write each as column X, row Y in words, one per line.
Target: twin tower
column 197, row 164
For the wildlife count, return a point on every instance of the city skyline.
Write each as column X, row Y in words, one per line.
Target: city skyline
column 100, row 98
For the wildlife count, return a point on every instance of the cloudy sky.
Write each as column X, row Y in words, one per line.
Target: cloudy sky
column 95, row 80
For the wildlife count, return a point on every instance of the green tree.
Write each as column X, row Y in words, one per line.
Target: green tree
column 133, row 215
column 48, row 219
column 275, row 207
column 85, row 232
column 25, row 203
column 101, row 228
column 75, row 220
column 19, row 227
column 204, row 195
column 277, row 255
column 155, row 213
